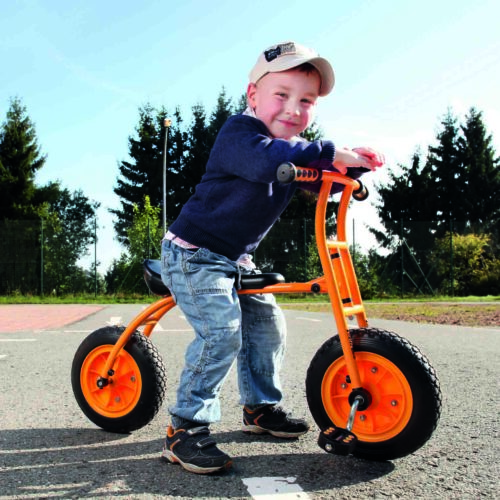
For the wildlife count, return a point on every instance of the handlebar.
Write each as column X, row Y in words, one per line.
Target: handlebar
column 288, row 172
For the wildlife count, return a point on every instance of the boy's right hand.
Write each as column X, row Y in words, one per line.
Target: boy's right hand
column 357, row 157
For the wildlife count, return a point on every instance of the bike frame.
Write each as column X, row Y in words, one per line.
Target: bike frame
column 339, row 279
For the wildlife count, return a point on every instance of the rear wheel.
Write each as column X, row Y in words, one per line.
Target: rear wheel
column 136, row 388
column 404, row 393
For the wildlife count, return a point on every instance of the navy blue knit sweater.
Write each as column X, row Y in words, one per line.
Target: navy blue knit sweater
column 238, row 199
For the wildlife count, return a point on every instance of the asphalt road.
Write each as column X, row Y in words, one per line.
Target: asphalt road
column 48, row 449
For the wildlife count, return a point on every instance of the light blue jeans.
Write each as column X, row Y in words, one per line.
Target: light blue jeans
column 249, row 328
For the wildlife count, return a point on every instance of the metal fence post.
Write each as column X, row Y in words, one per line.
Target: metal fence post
column 95, row 256
column 452, row 287
column 402, row 263
column 41, row 258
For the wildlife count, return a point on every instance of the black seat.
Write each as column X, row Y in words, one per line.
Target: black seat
column 152, row 277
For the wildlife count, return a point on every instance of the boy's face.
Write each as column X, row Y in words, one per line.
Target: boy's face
column 285, row 101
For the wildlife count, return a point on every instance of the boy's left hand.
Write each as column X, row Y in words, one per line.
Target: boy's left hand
column 376, row 159
column 357, row 157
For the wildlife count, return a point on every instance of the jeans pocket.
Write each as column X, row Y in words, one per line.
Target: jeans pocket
column 166, row 258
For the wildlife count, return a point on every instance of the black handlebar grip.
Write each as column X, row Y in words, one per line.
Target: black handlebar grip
column 286, row 173
column 361, row 193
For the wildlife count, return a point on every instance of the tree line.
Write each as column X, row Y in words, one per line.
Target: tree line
column 441, row 213
column 447, row 194
column 37, row 220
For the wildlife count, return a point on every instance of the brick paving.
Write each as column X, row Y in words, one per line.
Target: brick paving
column 22, row 317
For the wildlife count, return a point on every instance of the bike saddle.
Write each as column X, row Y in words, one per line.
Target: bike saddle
column 152, row 277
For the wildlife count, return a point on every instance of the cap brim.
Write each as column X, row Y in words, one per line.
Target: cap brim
column 326, row 72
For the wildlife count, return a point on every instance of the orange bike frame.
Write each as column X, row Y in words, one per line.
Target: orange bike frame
column 339, row 280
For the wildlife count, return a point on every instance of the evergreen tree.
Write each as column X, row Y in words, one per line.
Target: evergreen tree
column 223, row 110
column 143, row 175
column 20, row 159
column 456, row 187
column 448, row 175
column 199, row 144
column 177, row 151
column 481, row 195
column 241, row 105
column 405, row 201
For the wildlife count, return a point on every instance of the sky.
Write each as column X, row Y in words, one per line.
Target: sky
column 83, row 68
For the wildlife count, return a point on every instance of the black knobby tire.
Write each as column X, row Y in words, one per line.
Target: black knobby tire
column 137, row 387
column 406, row 396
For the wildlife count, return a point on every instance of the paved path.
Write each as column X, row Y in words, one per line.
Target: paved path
column 48, row 449
column 25, row 317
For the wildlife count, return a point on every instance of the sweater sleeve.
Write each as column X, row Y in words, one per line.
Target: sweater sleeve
column 244, row 149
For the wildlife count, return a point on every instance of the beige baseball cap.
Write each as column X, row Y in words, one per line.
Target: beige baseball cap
column 288, row 55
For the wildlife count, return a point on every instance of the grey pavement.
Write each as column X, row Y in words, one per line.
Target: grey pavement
column 48, row 449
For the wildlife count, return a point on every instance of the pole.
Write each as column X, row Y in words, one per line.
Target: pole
column 166, row 124
column 95, row 256
column 41, row 259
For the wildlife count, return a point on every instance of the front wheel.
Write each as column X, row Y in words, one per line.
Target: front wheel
column 136, row 388
column 403, row 387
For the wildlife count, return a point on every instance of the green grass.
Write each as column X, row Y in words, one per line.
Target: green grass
column 78, row 299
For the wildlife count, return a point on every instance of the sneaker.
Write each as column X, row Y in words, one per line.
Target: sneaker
column 195, row 450
column 273, row 420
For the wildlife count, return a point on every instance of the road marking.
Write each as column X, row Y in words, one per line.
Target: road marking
column 309, row 319
column 114, row 321
column 3, row 356
column 271, row 488
column 17, row 340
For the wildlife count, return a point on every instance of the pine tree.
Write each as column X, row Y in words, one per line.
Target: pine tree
column 223, row 110
column 177, row 151
column 20, row 159
column 456, row 187
column 199, row 144
column 448, row 175
column 481, row 176
column 143, row 175
column 241, row 104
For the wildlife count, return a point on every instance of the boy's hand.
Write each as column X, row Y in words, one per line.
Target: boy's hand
column 357, row 157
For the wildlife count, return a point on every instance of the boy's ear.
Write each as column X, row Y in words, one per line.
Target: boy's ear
column 251, row 89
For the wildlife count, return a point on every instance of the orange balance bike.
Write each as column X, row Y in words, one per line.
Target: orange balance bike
column 370, row 391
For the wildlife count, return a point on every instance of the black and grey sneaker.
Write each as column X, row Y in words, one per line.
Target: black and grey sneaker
column 195, row 450
column 274, row 420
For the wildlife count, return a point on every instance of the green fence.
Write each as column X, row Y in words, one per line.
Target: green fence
column 416, row 262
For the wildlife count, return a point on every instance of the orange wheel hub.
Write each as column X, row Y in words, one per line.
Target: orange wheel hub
column 392, row 400
column 122, row 393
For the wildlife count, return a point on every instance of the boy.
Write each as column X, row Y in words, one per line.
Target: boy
column 207, row 248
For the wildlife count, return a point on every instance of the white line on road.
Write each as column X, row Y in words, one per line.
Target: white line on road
column 3, row 356
column 17, row 340
column 309, row 319
column 271, row 488
column 114, row 321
